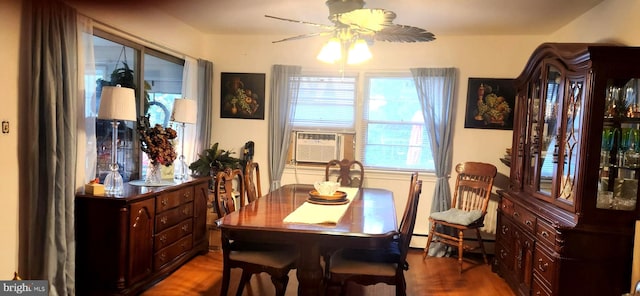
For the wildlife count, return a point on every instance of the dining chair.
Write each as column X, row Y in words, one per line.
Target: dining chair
column 224, row 192
column 252, row 180
column 252, row 258
column 373, row 266
column 349, row 173
column 468, row 208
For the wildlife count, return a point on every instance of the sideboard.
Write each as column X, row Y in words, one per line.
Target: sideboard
column 126, row 243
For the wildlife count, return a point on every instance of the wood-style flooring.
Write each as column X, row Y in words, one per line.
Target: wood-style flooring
column 433, row 276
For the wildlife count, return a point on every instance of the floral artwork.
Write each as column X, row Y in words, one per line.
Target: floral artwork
column 157, row 142
column 490, row 103
column 242, row 95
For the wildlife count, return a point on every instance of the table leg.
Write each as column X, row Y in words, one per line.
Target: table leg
column 309, row 271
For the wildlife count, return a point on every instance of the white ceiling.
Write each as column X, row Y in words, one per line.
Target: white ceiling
column 441, row 17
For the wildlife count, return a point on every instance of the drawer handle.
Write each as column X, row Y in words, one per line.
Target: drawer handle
column 516, row 214
column 164, row 201
column 185, row 228
column 186, row 195
column 163, row 238
column 544, row 234
column 503, row 254
column 163, row 256
column 505, row 229
column 185, row 211
column 528, row 222
column 183, row 245
column 163, row 219
column 542, row 265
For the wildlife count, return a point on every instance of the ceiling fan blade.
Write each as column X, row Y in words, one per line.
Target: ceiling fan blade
column 402, row 33
column 366, row 19
column 304, row 36
column 328, row 27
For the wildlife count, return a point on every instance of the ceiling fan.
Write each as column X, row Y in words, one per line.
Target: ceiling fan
column 353, row 25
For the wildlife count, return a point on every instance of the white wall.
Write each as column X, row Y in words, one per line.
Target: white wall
column 9, row 55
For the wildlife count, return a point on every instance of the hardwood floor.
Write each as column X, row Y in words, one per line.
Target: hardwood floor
column 434, row 276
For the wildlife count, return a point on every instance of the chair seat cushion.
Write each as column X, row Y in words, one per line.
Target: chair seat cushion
column 277, row 259
column 457, row 216
column 347, row 262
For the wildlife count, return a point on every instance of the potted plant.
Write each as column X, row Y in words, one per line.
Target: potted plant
column 212, row 160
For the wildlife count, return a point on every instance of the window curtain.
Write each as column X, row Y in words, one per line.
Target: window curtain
column 205, row 101
column 284, row 94
column 189, row 91
column 48, row 149
column 436, row 88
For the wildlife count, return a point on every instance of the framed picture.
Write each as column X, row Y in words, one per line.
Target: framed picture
column 242, row 95
column 490, row 103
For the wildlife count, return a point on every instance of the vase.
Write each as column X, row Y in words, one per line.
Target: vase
column 154, row 174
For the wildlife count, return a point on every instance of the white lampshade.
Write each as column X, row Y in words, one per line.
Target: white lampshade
column 117, row 103
column 358, row 52
column 184, row 110
column 331, row 52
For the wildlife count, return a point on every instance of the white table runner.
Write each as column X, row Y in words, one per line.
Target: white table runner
column 309, row 213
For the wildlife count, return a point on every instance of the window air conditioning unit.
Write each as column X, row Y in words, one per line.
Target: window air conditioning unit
column 317, row 147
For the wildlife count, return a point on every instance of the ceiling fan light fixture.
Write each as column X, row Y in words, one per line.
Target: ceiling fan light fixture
column 358, row 52
column 331, row 52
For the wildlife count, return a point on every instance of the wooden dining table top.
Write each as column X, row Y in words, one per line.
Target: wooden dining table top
column 368, row 222
column 371, row 213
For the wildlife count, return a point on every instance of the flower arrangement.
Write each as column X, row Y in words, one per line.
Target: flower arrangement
column 156, row 142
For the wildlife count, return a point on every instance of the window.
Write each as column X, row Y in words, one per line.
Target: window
column 117, row 61
column 326, row 103
column 391, row 130
column 393, row 133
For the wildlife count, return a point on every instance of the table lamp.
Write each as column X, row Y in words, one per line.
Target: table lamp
column 184, row 111
column 116, row 103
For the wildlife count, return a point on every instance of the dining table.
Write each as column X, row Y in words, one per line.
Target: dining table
column 369, row 221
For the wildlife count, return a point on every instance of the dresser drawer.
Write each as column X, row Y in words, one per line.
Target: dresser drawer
column 540, row 288
column 174, row 250
column 524, row 218
column 172, row 234
column 505, row 229
column 172, row 199
column 545, row 233
column 169, row 218
column 544, row 266
column 504, row 258
column 506, row 206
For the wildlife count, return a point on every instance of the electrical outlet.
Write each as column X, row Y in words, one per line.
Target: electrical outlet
column 5, row 127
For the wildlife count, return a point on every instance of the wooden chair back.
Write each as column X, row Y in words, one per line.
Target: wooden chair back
column 252, row 181
column 473, row 186
column 409, row 219
column 224, row 195
column 350, row 173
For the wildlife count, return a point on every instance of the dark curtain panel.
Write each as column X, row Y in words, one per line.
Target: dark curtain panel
column 48, row 146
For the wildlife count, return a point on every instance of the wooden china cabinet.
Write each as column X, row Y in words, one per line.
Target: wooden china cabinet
column 566, row 224
column 124, row 244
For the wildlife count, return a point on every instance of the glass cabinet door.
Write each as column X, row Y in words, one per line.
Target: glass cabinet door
column 549, row 131
column 533, row 137
column 620, row 147
column 569, row 152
